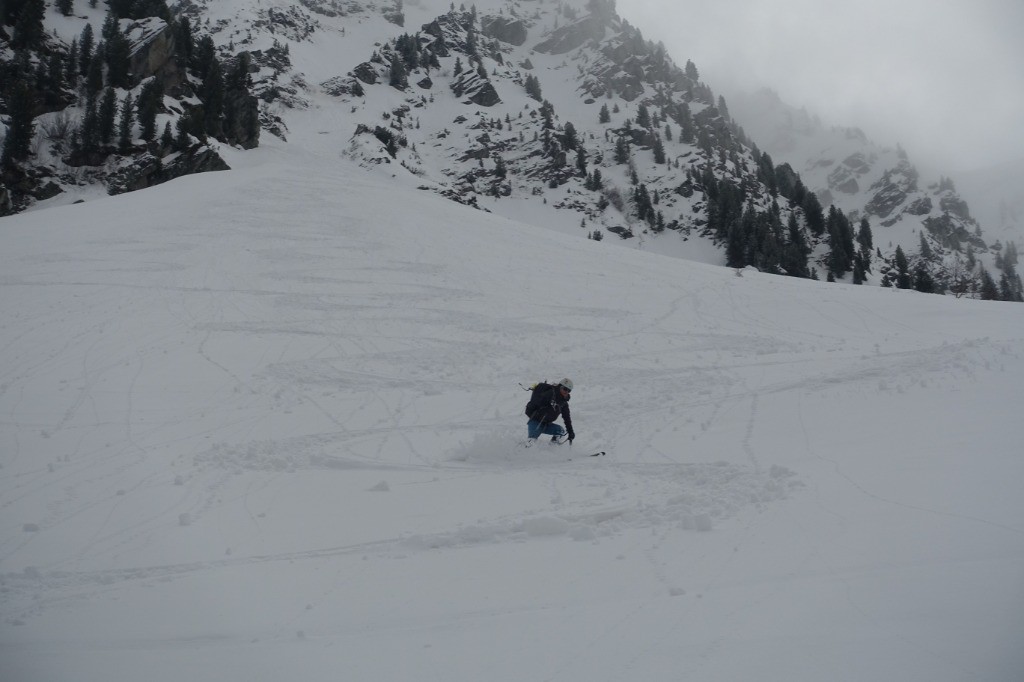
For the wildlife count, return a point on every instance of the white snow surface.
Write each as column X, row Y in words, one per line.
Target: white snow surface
column 265, row 424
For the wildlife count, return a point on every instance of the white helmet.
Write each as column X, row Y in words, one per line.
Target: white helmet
column 566, row 384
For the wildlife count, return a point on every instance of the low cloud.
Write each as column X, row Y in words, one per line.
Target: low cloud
column 944, row 80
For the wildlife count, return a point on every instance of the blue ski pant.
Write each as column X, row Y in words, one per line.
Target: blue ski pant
column 536, row 429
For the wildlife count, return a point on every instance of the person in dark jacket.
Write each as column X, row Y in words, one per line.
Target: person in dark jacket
column 548, row 403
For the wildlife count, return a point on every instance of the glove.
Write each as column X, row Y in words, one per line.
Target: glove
column 571, row 437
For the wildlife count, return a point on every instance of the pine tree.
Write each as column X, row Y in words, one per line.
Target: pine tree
column 840, row 237
column 621, row 150
column 28, row 29
column 52, row 83
column 903, row 279
column 864, row 239
column 86, row 45
column 659, row 150
column 184, row 40
column 118, row 56
column 570, row 139
column 533, row 87
column 923, row 280
column 691, row 71
column 66, row 7
column 94, row 76
column 167, row 138
column 212, row 94
column 989, row 291
column 795, row 251
column 21, row 126
column 90, row 128
column 107, row 114
column 124, row 126
column 813, row 214
column 603, row 116
column 858, row 272
column 150, row 103
column 399, row 76
column 643, row 117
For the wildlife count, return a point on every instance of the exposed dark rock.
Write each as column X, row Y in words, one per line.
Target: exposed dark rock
column 952, row 233
column 922, row 206
column 478, row 90
column 956, row 206
column 505, row 29
column 572, row 36
column 153, row 53
column 241, row 119
column 340, row 86
column 149, row 170
column 366, row 72
column 892, row 191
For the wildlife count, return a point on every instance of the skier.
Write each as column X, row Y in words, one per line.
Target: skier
column 546, row 404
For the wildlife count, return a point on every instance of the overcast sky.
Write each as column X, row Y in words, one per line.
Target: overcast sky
column 943, row 78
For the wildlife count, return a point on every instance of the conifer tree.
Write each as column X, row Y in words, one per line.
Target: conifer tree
column 840, row 238
column 184, row 40
column 28, row 28
column 90, row 129
column 167, row 138
column 643, row 117
column 533, row 87
column 795, row 252
column 603, row 116
column 66, row 7
column 124, row 126
column 21, row 125
column 903, row 279
column 864, row 239
column 570, row 138
column 399, row 76
column 500, row 169
column 213, row 100
column 118, row 55
column 71, row 64
column 621, row 150
column 858, row 272
column 107, row 114
column 989, row 291
column 659, row 150
column 86, row 45
column 923, row 280
column 691, row 71
column 813, row 214
column 94, row 76
column 149, row 104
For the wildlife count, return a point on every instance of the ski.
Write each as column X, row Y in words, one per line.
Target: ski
column 600, row 453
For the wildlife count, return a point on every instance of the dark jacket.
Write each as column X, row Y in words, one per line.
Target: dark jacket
column 547, row 404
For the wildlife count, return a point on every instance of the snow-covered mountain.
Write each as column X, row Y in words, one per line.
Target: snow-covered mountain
column 271, row 432
column 848, row 170
column 556, row 113
column 997, row 197
column 267, row 424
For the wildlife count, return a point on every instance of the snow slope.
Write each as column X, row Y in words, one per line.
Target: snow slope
column 263, row 424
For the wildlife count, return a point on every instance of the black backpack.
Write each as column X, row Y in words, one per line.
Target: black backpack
column 538, row 397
